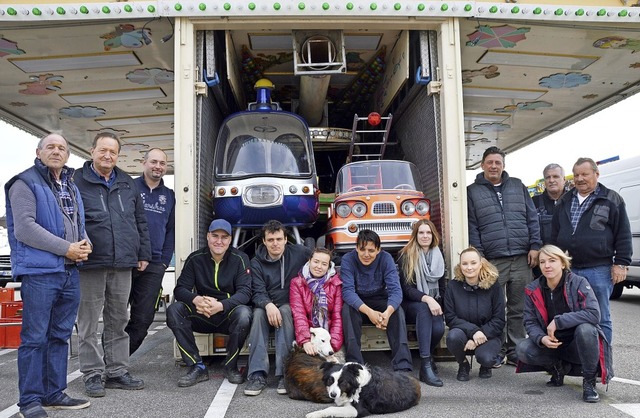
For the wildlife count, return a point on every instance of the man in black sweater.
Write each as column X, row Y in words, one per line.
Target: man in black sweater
column 211, row 294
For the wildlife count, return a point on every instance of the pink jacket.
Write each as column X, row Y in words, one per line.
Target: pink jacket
column 301, row 302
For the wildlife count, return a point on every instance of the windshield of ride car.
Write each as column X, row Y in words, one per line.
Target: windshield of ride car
column 377, row 175
column 263, row 144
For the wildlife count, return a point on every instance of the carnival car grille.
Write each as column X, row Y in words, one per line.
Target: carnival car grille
column 384, row 208
column 386, row 227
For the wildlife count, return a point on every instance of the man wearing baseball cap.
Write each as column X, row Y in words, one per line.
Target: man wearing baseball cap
column 211, row 295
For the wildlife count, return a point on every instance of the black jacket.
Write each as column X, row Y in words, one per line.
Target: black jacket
column 545, row 207
column 502, row 230
column 266, row 275
column 475, row 308
column 603, row 234
column 229, row 281
column 115, row 220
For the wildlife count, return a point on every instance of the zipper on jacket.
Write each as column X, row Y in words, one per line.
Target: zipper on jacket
column 104, row 205
column 120, row 200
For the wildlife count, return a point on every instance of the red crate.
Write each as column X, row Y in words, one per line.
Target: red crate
column 10, row 309
column 7, row 294
column 10, row 334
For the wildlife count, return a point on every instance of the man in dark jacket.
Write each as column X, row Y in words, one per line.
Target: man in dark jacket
column 591, row 223
column 211, row 294
column 547, row 201
column 45, row 220
column 503, row 226
column 146, row 286
column 275, row 264
column 117, row 227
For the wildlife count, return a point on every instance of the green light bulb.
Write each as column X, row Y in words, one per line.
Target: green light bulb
column 558, row 12
column 623, row 13
column 276, row 6
column 325, row 6
column 202, row 7
column 579, row 12
column 515, row 9
column 537, row 11
column 467, row 7
column 444, row 7
column 493, row 9
column 60, row 10
column 252, row 6
column 84, row 10
column 421, row 7
column 151, row 8
column 227, row 7
column 11, row 11
column 128, row 8
column 106, row 10
column 602, row 12
column 178, row 7
column 301, row 6
column 373, row 6
column 36, row 11
column 349, row 6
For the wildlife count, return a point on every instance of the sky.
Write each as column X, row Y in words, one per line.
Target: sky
column 609, row 133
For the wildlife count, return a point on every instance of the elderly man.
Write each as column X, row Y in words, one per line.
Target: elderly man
column 546, row 201
column 117, row 227
column 503, row 226
column 45, row 218
column 159, row 204
column 591, row 223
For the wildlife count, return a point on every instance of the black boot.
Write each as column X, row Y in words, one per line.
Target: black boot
column 463, row 371
column 427, row 375
column 557, row 372
column 434, row 366
column 589, row 393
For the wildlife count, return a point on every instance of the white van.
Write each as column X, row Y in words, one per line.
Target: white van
column 623, row 176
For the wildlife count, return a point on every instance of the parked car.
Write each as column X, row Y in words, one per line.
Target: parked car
column 381, row 195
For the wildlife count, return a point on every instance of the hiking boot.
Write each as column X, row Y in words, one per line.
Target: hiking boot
column 94, row 387
column 33, row 410
column 427, row 374
column 66, row 402
column 282, row 390
column 589, row 393
column 195, row 375
column 257, row 382
column 557, row 375
column 463, row 371
column 126, row 382
column 484, row 373
column 233, row 375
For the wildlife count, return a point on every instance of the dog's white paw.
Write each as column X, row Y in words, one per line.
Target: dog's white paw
column 315, row 414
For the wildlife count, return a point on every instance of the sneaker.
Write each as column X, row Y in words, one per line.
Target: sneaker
column 233, row 375
column 196, row 375
column 126, row 382
column 66, row 402
column 282, row 390
column 257, row 382
column 33, row 410
column 485, row 372
column 499, row 361
column 512, row 360
column 463, row 371
column 94, row 387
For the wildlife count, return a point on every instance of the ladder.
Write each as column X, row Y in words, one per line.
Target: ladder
column 368, row 142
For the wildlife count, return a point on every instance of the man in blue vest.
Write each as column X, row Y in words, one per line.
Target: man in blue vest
column 45, row 219
column 146, row 285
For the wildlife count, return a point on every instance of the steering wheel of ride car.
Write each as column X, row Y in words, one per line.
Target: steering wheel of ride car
column 404, row 186
column 356, row 189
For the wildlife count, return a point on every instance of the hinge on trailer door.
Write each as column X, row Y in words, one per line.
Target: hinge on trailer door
column 435, row 85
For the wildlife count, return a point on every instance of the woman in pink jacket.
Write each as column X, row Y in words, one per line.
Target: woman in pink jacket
column 316, row 301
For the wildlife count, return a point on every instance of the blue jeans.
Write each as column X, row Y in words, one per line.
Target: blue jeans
column 600, row 280
column 50, row 304
column 259, row 340
column 429, row 328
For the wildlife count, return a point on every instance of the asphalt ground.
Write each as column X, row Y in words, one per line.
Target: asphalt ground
column 506, row 394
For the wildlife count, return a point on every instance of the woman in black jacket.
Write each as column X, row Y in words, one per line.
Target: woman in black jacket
column 474, row 312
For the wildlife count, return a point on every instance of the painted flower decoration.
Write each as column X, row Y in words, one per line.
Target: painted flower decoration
column 523, row 106
column 150, row 76
column 8, row 47
column 492, row 127
column 82, row 112
column 566, row 81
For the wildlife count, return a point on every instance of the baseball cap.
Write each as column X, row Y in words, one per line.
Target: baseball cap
column 220, row 224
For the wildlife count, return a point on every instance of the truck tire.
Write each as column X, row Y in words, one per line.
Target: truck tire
column 617, row 291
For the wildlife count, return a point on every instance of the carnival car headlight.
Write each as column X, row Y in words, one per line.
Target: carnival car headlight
column 359, row 209
column 262, row 195
column 408, row 208
column 343, row 210
column 422, row 207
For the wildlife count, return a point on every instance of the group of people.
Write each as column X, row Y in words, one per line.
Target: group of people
column 86, row 244
column 94, row 242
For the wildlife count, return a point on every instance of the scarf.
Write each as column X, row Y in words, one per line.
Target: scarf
column 429, row 271
column 319, row 310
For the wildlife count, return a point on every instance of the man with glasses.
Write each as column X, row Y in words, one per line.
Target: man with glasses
column 211, row 295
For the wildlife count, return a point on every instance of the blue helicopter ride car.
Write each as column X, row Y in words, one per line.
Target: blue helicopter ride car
column 264, row 169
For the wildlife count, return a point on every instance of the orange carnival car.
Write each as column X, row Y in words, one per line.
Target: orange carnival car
column 379, row 195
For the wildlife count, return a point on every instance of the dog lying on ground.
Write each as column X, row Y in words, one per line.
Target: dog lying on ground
column 303, row 373
column 359, row 390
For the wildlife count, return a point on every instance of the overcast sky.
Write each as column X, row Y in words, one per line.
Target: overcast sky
column 610, row 132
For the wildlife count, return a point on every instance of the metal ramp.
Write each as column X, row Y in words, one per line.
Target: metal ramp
column 369, row 142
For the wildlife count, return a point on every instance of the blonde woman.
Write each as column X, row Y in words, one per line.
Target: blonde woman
column 561, row 316
column 474, row 311
column 422, row 278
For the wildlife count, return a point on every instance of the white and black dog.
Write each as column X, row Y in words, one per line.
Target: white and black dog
column 303, row 373
column 360, row 390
